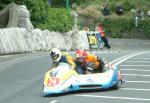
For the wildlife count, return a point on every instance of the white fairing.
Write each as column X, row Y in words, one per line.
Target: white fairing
column 95, row 78
column 63, row 86
column 63, row 69
column 71, row 81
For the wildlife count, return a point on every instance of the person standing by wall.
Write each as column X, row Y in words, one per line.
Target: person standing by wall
column 86, row 28
column 139, row 15
column 102, row 34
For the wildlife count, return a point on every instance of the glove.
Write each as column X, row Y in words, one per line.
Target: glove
column 107, row 65
column 72, row 68
column 89, row 64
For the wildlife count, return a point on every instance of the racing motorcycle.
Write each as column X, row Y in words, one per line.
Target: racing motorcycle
column 62, row 79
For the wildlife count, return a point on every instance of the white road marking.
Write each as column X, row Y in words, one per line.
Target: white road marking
column 138, row 82
column 139, row 58
column 129, row 43
column 137, row 75
column 95, row 52
column 118, row 43
column 137, row 61
column 143, row 70
column 134, row 65
column 20, row 59
column 124, row 58
column 126, row 43
column 113, row 97
column 54, row 101
column 135, row 89
column 117, row 62
column 105, row 52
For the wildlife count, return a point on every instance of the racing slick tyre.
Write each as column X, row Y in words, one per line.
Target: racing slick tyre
column 118, row 85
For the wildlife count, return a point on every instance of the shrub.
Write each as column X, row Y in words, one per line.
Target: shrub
column 43, row 16
column 125, row 28
column 145, row 27
column 38, row 9
column 58, row 20
column 127, row 6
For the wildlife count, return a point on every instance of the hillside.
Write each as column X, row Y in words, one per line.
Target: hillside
column 90, row 13
column 92, row 8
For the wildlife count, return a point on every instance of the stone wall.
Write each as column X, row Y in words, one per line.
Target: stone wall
column 20, row 40
column 17, row 34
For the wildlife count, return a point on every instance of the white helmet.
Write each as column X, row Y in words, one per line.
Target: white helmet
column 55, row 54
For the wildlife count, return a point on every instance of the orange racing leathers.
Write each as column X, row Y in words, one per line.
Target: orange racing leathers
column 97, row 63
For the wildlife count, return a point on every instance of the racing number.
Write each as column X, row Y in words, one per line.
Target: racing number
column 53, row 82
column 92, row 39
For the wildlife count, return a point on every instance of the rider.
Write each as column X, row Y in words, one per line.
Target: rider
column 85, row 59
column 57, row 57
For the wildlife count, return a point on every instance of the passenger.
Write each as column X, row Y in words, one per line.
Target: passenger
column 85, row 59
column 86, row 29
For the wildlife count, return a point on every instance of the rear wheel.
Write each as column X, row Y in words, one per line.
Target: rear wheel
column 117, row 85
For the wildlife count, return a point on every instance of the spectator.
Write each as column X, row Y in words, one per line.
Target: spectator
column 99, row 39
column 105, row 9
column 102, row 34
column 119, row 10
column 86, row 28
column 148, row 13
column 139, row 15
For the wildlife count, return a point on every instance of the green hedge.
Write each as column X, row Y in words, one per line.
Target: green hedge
column 125, row 27
column 116, row 26
column 145, row 26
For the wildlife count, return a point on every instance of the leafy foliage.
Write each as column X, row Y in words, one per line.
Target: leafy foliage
column 57, row 3
column 145, row 27
column 122, row 25
column 125, row 28
column 58, row 20
column 38, row 9
column 44, row 16
column 119, row 26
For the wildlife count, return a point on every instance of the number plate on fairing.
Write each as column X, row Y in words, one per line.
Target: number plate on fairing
column 53, row 82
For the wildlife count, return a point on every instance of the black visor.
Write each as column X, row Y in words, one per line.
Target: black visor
column 52, row 53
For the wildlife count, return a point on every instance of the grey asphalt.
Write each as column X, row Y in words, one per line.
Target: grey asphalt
column 21, row 77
